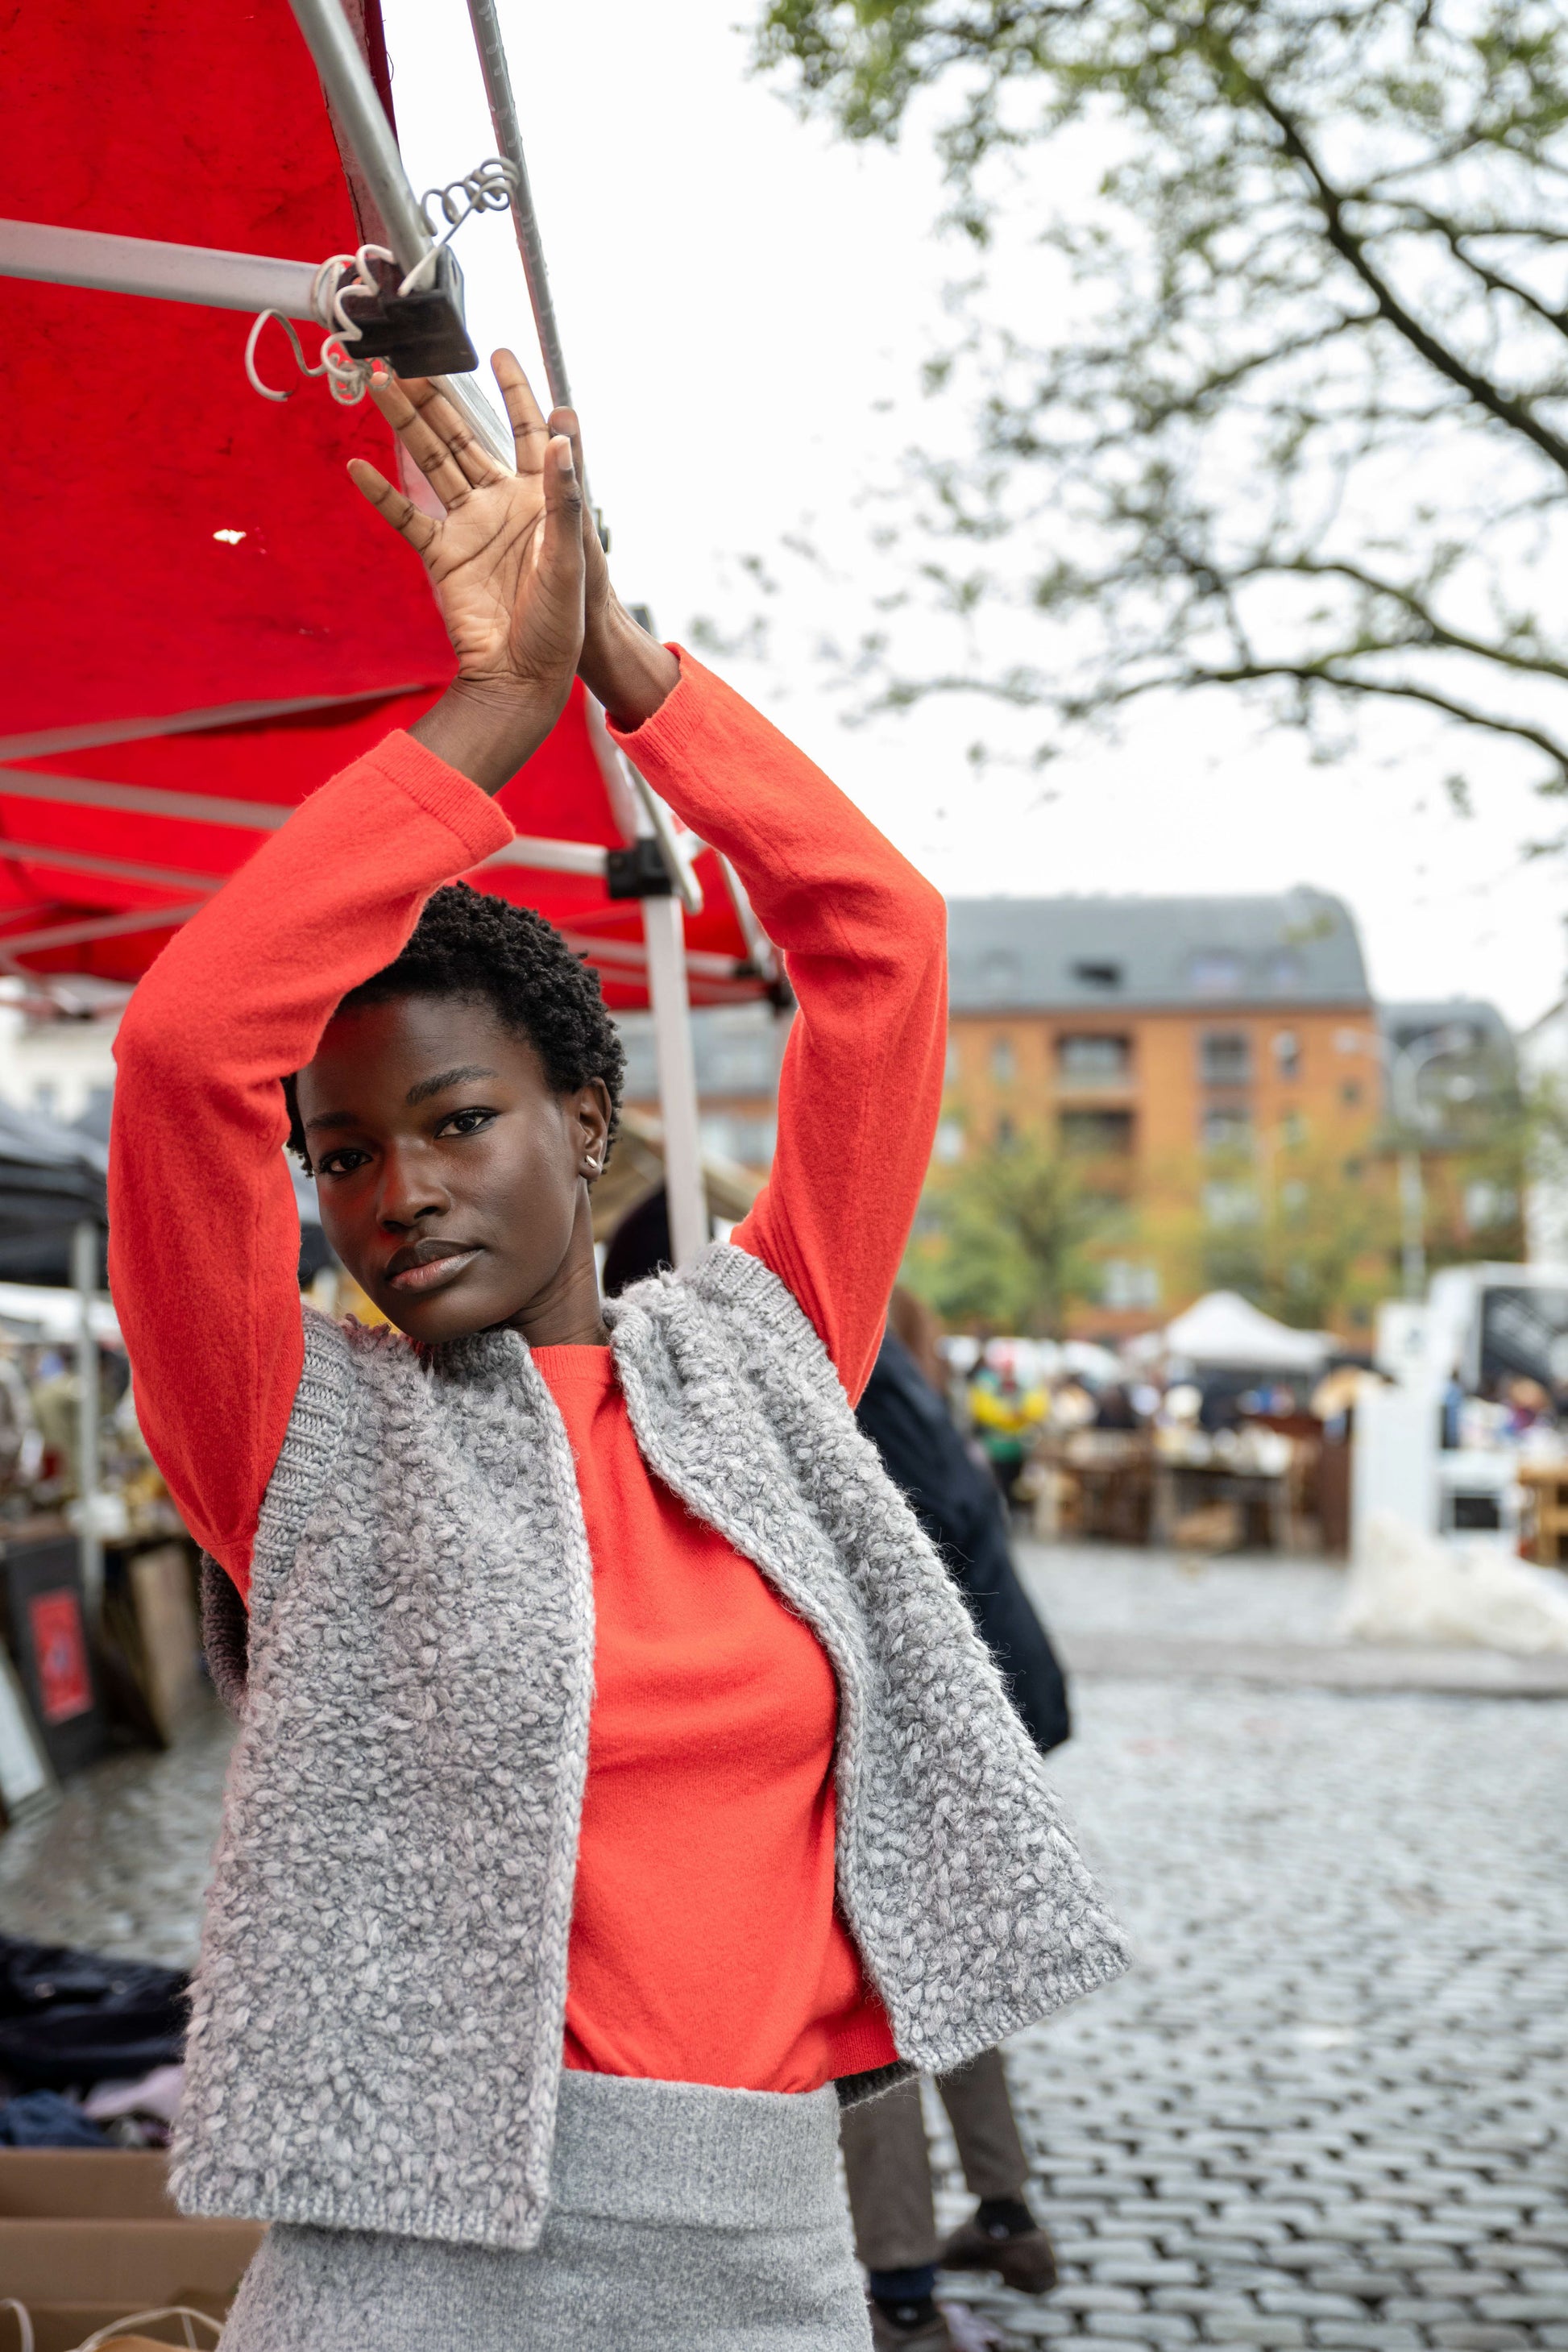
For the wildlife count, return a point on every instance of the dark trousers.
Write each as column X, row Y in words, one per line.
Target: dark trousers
column 888, row 2165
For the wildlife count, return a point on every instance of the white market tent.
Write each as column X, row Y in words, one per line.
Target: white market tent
column 1225, row 1331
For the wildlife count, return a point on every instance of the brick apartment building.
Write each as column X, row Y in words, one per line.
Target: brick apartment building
column 1180, row 1050
column 1170, row 1045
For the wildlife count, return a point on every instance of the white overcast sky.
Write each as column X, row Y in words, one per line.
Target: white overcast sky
column 740, row 297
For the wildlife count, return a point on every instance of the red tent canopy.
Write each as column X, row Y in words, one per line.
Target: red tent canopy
column 196, row 604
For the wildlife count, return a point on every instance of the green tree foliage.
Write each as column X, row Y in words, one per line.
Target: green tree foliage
column 1007, row 1241
column 1306, row 433
column 1314, row 1243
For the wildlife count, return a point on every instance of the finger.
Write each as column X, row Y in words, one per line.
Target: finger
column 561, row 562
column 448, row 424
column 413, row 425
column 529, row 431
column 565, row 420
column 394, row 505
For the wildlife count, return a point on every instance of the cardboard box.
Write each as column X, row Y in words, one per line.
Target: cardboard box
column 62, row 2326
column 88, row 2237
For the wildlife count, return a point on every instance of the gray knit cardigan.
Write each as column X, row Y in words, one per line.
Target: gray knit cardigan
column 376, row 2029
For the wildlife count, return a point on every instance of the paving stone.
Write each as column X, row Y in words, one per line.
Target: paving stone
column 1367, row 2336
column 1266, row 2333
column 1470, row 2336
column 1146, row 2274
column 1143, row 2327
column 1088, row 2297
column 1301, row 2302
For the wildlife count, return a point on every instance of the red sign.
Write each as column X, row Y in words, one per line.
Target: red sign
column 59, row 1646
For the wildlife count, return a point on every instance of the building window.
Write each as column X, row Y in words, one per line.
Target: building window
column 1094, row 1057
column 1292, row 1130
column 1217, row 972
column 1006, row 1133
column 949, row 1145
column 1096, row 1134
column 1003, row 1061
column 1288, row 974
column 1098, row 975
column 1230, row 1204
column 1228, row 1127
column 1288, row 1054
column 1224, row 1057
column 1488, row 1205
column 955, row 1069
column 1127, row 1286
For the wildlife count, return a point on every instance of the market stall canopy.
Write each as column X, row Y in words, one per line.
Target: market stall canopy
column 202, row 621
column 1225, row 1330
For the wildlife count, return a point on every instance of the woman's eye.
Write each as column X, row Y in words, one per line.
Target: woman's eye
column 466, row 1123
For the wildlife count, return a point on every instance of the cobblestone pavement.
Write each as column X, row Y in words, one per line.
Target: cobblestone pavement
column 1328, row 2107
column 1110, row 1589
column 121, row 1862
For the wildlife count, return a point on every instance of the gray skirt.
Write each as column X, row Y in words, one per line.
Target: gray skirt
column 682, row 2220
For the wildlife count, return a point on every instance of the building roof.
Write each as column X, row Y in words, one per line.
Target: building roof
column 1027, row 955
column 1489, row 1031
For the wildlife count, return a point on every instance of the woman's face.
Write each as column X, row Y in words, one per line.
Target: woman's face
column 453, row 1178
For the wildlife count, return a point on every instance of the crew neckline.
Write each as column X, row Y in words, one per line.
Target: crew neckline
column 586, row 1360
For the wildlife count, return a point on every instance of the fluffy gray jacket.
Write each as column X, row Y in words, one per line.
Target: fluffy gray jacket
column 376, row 2031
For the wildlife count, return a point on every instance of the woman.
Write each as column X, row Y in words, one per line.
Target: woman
column 617, row 1771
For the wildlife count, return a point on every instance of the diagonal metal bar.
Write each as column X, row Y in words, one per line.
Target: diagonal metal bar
column 116, row 869
column 46, row 742
column 98, row 927
column 524, row 219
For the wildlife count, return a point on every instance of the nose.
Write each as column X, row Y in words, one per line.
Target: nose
column 411, row 1190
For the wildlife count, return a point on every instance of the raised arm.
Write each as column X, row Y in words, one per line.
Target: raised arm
column 205, row 1240
column 864, row 939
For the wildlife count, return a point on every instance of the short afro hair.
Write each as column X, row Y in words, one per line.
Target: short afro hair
column 470, row 945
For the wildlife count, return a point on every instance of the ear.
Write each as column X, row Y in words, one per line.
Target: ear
column 591, row 1117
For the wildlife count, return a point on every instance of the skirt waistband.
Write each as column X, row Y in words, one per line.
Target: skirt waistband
column 686, row 2153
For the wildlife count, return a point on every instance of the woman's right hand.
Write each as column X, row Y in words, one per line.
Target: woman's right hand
column 506, row 562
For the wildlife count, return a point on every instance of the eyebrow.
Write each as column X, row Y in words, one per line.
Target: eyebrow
column 415, row 1094
column 445, row 1078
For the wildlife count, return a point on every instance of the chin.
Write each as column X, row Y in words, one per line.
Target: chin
column 454, row 1314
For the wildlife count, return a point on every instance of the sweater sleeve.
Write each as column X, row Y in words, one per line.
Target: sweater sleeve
column 863, row 941
column 205, row 1239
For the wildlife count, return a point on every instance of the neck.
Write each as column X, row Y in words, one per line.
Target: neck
column 567, row 1313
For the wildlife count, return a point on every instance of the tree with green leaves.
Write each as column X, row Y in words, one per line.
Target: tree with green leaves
column 1007, row 1241
column 1305, row 434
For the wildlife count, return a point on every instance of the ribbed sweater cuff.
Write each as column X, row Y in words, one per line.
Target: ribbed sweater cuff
column 444, row 793
column 679, row 719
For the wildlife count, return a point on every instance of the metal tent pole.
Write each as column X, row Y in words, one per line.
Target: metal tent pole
column 664, row 930
column 84, row 1278
column 346, row 77
column 340, row 63
column 525, row 221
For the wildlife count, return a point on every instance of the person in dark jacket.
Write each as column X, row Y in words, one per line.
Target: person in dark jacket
column 886, row 2159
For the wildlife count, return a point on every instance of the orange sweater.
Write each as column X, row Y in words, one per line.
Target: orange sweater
column 706, row 1944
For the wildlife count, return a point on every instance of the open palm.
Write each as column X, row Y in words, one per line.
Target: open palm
column 511, row 608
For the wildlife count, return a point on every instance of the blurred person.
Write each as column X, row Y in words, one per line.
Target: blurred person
column 606, row 1719
column 886, row 2162
column 1006, row 1417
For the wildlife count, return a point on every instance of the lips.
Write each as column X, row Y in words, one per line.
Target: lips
column 429, row 1265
